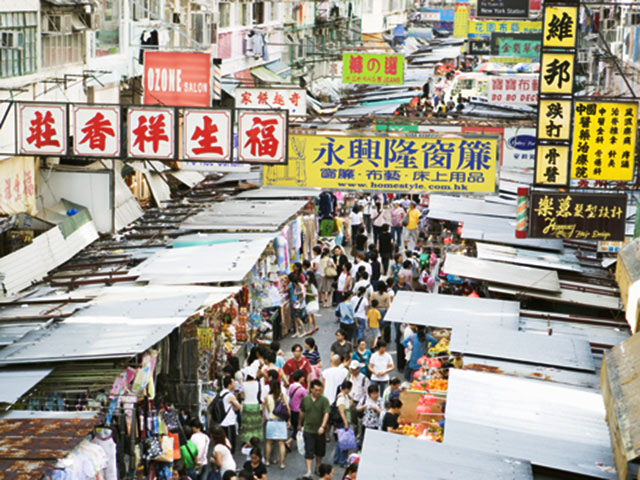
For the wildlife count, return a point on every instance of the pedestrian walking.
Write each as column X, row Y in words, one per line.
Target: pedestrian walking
column 343, row 403
column 278, row 414
column 346, row 315
column 314, row 415
column 380, row 365
column 222, row 458
column 397, row 216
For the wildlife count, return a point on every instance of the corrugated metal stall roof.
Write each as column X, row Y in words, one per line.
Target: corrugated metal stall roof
column 471, row 206
column 391, row 456
column 555, row 426
column 264, row 193
column 525, row 256
column 576, row 297
column 240, row 215
column 215, row 263
column 16, row 382
column 538, row 349
column 452, row 311
column 620, row 385
column 502, row 273
column 120, row 323
column 30, row 445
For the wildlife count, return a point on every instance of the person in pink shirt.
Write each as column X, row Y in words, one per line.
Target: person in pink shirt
column 296, row 393
column 397, row 215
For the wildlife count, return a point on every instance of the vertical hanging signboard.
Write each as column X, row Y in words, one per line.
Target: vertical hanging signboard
column 557, row 64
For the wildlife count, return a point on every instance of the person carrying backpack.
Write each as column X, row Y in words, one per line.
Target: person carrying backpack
column 224, row 410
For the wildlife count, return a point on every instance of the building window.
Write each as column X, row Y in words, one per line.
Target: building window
column 225, row 15
column 273, row 11
column 107, row 28
column 245, row 14
column 61, row 43
column 258, row 13
column 18, row 34
column 145, row 9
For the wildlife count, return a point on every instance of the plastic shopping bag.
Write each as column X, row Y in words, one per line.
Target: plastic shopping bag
column 346, row 439
column 300, row 442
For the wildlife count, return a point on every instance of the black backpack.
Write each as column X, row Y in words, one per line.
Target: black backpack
column 216, row 408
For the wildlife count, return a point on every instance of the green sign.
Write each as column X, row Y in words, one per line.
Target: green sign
column 373, row 68
column 395, row 127
column 523, row 45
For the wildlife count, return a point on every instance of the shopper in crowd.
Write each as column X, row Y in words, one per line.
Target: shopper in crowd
column 339, row 257
column 188, row 451
column 341, row 346
column 251, row 409
column 397, row 216
column 325, row 471
column 231, row 407
column 314, row 415
column 230, row 475
column 275, row 348
column 312, row 303
column 345, row 282
column 297, row 392
column 361, row 241
column 376, row 268
column 373, row 324
column 360, row 383
column 179, row 471
column 420, row 342
column 392, row 391
column 255, row 465
column 298, row 304
column 362, row 280
column 358, row 262
column 333, row 377
column 347, row 317
column 315, row 262
column 412, row 226
column 222, row 456
column 382, row 297
column 404, row 283
column 390, row 418
column 371, row 407
column 380, row 365
column 356, row 225
column 362, row 355
column 297, row 362
column 385, row 247
column 343, row 402
column 249, row 446
column 201, row 440
column 360, row 306
column 395, row 267
column 245, row 475
column 378, row 219
column 351, row 472
column 366, row 206
column 329, row 276
column 277, row 413
column 311, row 352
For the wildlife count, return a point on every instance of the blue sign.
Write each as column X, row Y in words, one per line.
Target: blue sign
column 522, row 142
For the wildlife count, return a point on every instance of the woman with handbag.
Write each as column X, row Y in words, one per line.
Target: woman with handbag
column 343, row 402
column 329, row 276
column 277, row 413
column 221, row 459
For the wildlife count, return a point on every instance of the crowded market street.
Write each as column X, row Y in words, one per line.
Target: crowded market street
column 319, row 240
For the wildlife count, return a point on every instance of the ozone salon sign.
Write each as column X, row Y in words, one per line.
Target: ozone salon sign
column 177, row 79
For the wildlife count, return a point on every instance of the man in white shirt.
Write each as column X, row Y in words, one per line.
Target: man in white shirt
column 367, row 204
column 333, row 377
column 231, row 407
column 360, row 383
column 380, row 365
column 202, row 443
column 359, row 262
column 360, row 306
column 365, row 283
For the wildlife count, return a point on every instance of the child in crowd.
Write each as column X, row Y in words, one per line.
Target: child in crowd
column 373, row 316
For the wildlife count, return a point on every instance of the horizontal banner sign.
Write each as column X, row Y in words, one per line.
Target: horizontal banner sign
column 523, row 45
column 373, row 68
column 162, row 133
column 513, row 89
column 582, row 216
column 461, row 164
column 484, row 28
column 292, row 99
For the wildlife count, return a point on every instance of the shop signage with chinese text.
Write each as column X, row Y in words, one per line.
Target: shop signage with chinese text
column 466, row 163
column 604, row 140
column 484, row 28
column 503, row 9
column 523, row 45
column 177, row 79
column 204, row 135
column 480, row 46
column 373, row 68
column 513, row 89
column 281, row 98
column 581, row 216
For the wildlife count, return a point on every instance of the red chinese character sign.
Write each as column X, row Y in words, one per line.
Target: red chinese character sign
column 42, row 129
column 292, row 99
column 513, row 89
column 373, row 68
column 262, row 137
column 207, row 135
column 96, row 131
column 150, row 133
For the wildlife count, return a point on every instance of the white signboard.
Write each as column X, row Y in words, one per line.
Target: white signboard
column 207, row 135
column 42, row 129
column 262, row 137
column 216, row 167
column 519, row 148
column 96, row 131
column 292, row 99
column 513, row 89
column 150, row 133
